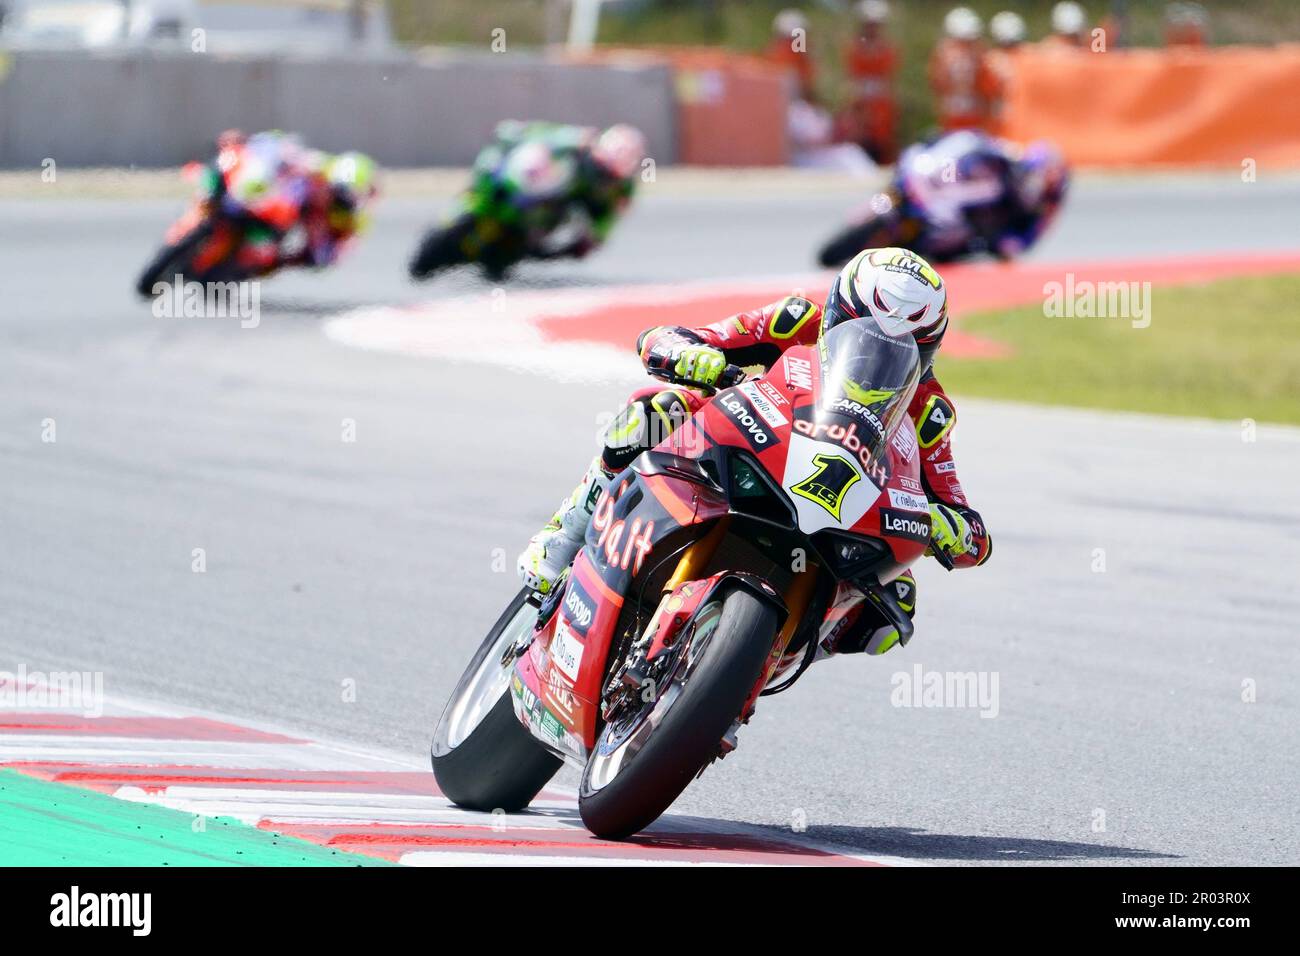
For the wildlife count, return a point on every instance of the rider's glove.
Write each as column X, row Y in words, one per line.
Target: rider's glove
column 949, row 531
column 699, row 364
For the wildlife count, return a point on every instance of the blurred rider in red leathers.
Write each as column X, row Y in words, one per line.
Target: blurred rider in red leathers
column 337, row 190
column 894, row 288
column 1008, row 32
column 789, row 48
column 274, row 182
column 960, row 77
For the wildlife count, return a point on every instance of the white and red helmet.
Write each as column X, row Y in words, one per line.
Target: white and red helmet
column 785, row 23
column 873, row 11
column 963, row 23
column 1069, row 19
column 898, row 290
column 620, row 150
column 1007, row 28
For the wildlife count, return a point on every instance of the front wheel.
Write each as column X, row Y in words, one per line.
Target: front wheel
column 483, row 757
column 442, row 248
column 644, row 760
column 173, row 259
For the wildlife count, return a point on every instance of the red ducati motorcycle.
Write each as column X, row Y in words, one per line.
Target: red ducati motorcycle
column 763, row 530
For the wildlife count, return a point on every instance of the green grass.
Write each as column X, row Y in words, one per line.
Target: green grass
column 51, row 824
column 1228, row 349
column 746, row 24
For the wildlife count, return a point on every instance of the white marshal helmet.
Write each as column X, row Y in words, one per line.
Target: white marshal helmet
column 1007, row 28
column 788, row 21
column 1068, row 18
column 873, row 11
column 1192, row 14
column 963, row 23
column 620, row 150
column 898, row 290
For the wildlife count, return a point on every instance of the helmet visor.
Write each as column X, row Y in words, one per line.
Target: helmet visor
column 870, row 377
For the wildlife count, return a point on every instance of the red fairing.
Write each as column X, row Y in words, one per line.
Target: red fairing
column 191, row 219
column 766, row 415
column 565, row 667
column 677, row 609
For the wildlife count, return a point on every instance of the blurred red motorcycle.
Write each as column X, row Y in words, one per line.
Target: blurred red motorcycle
column 243, row 222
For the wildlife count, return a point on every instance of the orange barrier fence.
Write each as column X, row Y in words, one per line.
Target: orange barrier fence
column 1220, row 106
column 731, row 108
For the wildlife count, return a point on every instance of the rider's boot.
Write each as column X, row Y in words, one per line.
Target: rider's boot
column 553, row 549
column 871, row 633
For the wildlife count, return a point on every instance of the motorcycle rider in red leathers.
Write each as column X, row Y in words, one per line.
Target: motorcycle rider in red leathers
column 327, row 193
column 893, row 287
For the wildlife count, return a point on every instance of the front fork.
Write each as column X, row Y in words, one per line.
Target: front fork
column 659, row 635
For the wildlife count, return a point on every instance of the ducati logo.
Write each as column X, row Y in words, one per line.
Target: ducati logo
column 828, row 485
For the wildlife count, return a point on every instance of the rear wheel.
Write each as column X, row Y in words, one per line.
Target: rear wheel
column 483, row 757
column 644, row 760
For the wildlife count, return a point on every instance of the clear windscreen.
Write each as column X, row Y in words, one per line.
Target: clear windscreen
column 869, row 377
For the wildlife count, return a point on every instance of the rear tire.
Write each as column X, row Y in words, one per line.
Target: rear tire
column 687, row 737
column 498, row 765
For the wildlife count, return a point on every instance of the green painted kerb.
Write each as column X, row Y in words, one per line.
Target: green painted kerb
column 49, row 824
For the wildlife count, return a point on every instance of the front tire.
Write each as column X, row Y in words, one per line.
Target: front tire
column 483, row 757
column 442, row 248
column 172, row 259
column 875, row 233
column 623, row 790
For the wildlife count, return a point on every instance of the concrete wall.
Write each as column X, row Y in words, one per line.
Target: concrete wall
column 151, row 108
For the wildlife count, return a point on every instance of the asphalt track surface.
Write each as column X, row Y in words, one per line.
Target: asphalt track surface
column 374, row 566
